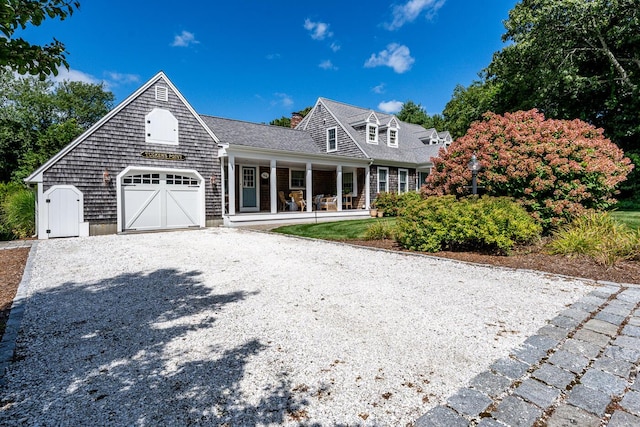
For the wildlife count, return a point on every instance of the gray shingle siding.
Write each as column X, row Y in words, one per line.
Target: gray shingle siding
column 119, row 142
column 319, row 120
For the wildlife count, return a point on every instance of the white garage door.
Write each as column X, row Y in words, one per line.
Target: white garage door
column 155, row 201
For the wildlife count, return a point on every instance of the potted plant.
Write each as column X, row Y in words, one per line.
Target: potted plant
column 373, row 211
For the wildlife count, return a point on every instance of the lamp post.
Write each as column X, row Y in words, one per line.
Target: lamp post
column 474, row 166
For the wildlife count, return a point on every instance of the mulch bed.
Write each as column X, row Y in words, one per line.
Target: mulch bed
column 12, row 262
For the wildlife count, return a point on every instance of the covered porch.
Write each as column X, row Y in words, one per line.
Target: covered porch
column 259, row 188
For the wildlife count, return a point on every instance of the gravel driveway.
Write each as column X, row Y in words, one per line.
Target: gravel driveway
column 234, row 327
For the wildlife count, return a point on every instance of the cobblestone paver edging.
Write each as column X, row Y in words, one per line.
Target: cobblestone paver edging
column 579, row 369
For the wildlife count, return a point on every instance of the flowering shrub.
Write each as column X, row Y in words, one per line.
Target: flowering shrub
column 556, row 168
column 437, row 223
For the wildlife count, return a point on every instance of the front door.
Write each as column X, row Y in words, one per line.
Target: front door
column 249, row 189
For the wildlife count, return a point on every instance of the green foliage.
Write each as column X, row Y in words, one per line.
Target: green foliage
column 17, row 211
column 468, row 105
column 393, row 203
column 25, row 57
column 487, row 223
column 38, row 118
column 379, row 230
column 598, row 236
column 556, row 168
column 416, row 114
column 285, row 121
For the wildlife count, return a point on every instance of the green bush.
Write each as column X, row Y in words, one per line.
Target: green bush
column 379, row 230
column 17, row 212
column 599, row 236
column 393, row 203
column 445, row 223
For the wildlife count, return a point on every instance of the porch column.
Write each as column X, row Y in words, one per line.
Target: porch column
column 308, row 179
column 232, row 184
column 367, row 187
column 223, row 189
column 273, row 189
column 339, row 185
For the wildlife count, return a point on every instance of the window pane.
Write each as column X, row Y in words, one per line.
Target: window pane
column 347, row 182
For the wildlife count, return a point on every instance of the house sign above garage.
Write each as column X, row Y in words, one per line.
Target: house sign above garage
column 163, row 156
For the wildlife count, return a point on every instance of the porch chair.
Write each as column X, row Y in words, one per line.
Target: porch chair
column 298, row 199
column 329, row 203
column 316, row 201
column 283, row 202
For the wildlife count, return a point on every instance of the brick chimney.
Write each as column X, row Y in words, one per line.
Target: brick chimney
column 296, row 118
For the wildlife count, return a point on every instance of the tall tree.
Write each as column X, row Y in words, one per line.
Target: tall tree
column 22, row 56
column 38, row 118
column 468, row 105
column 574, row 59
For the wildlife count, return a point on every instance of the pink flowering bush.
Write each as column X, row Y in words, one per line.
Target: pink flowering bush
column 557, row 169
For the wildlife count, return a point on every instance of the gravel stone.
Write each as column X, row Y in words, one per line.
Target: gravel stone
column 590, row 400
column 469, row 402
column 568, row 416
column 631, row 402
column 233, row 326
column 554, row 376
column 537, row 393
column 515, row 412
column 603, row 381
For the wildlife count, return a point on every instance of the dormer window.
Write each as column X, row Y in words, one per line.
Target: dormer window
column 392, row 137
column 372, row 133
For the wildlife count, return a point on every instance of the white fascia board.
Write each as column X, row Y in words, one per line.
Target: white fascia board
column 270, row 154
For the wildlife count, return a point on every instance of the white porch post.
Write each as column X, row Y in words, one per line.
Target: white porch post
column 232, row 184
column 367, row 187
column 273, row 189
column 308, row 179
column 339, row 186
column 222, row 186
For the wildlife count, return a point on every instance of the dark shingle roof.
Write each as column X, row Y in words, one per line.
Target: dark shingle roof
column 256, row 135
column 411, row 148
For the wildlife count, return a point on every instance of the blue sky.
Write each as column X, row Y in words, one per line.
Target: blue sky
column 260, row 60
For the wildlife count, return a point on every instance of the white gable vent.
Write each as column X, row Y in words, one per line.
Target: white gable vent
column 162, row 93
column 161, row 127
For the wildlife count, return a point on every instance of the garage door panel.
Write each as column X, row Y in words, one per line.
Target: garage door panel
column 182, row 208
column 142, row 208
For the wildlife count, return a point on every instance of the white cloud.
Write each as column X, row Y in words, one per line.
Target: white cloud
column 390, row 106
column 395, row 56
column 409, row 11
column 184, row 39
column 74, row 76
column 378, row 89
column 327, row 65
column 122, row 78
column 272, row 56
column 284, row 99
column 335, row 46
column 317, row 30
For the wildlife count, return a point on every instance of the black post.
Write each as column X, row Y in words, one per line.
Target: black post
column 474, row 182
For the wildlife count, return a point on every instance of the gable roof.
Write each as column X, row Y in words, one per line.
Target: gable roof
column 255, row 135
column 411, row 148
column 36, row 176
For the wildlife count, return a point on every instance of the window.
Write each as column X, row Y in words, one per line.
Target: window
column 332, row 143
column 422, row 177
column 372, row 133
column 403, row 180
column 297, row 178
column 347, row 183
column 180, row 180
column 383, row 179
column 147, row 178
column 392, row 137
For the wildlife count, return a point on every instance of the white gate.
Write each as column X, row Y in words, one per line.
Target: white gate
column 63, row 211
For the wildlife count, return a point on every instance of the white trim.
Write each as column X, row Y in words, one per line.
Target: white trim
column 37, row 175
column 406, row 182
column 129, row 169
column 256, row 182
column 395, row 130
column 335, row 139
column 386, row 189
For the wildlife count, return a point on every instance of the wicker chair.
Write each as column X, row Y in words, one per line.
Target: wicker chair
column 283, row 201
column 298, row 199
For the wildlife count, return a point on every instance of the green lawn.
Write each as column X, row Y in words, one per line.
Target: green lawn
column 631, row 218
column 338, row 230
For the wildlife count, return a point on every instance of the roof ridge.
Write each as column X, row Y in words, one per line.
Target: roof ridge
column 250, row 123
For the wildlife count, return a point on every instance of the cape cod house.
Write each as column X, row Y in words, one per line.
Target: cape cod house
column 153, row 163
